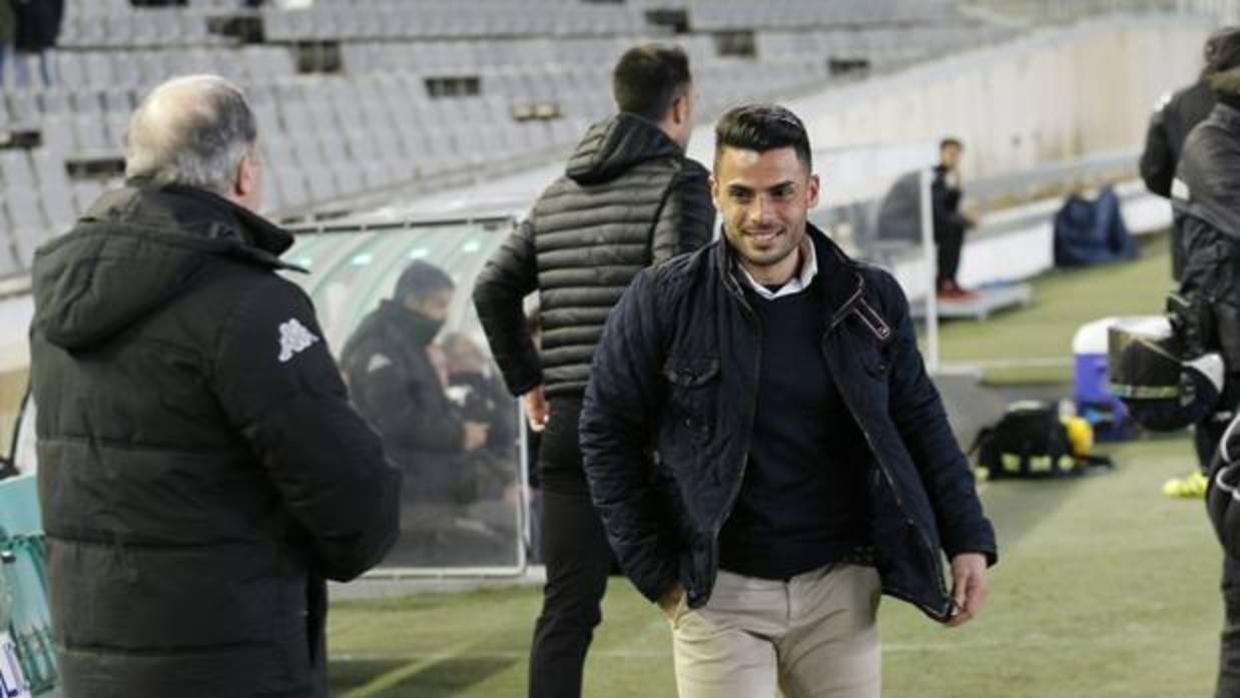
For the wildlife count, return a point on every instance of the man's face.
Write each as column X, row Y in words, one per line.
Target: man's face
column 764, row 199
column 949, row 157
column 433, row 305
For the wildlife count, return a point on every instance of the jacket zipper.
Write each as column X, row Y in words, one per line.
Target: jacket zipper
column 882, row 468
column 744, row 461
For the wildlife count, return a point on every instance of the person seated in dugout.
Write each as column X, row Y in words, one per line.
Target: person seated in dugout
column 398, row 381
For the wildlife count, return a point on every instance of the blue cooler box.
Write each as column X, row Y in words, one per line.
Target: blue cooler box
column 1091, row 381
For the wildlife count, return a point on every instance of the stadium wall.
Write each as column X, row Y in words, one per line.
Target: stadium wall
column 1055, row 95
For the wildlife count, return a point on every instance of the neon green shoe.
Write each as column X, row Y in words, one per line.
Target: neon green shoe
column 1191, row 487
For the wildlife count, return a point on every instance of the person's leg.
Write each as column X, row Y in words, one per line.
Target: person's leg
column 1228, row 685
column 578, row 558
column 45, row 68
column 950, row 242
column 832, row 648
column 726, row 649
column 21, row 69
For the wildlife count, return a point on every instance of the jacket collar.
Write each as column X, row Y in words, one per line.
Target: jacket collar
column 843, row 286
column 205, row 220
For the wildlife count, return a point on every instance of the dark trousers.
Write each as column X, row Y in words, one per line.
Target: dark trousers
column 578, row 560
column 1229, row 645
column 1206, row 440
column 949, row 240
column 1178, row 255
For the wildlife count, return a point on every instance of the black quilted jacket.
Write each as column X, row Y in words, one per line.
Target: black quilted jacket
column 629, row 198
column 201, row 470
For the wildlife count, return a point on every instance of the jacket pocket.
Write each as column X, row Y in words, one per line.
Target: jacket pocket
column 693, row 393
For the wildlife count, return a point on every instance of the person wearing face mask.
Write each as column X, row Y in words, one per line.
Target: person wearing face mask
column 396, row 386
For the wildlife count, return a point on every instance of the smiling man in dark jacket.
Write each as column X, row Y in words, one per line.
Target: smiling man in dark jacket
column 629, row 198
column 766, row 449
column 201, row 470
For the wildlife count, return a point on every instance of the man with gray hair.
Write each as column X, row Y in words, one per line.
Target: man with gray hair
column 201, row 470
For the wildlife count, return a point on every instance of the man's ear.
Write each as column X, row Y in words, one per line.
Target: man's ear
column 246, row 182
column 814, row 190
column 680, row 109
column 714, row 190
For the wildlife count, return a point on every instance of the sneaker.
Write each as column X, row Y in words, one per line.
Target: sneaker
column 1192, row 486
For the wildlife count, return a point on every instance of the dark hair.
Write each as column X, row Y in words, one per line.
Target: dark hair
column 421, row 279
column 951, row 142
column 648, row 79
column 763, row 127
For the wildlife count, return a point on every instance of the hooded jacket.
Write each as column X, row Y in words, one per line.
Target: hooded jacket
column 628, row 198
column 668, row 418
column 201, row 470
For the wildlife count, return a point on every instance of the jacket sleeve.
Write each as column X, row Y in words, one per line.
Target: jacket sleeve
column 917, row 410
column 616, row 429
column 509, row 276
column 687, row 217
column 406, row 406
column 1223, row 490
column 280, row 387
column 1157, row 162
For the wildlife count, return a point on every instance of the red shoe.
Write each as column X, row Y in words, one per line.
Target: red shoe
column 951, row 291
column 965, row 294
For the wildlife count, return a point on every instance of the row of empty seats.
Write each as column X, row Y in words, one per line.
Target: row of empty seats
column 414, row 109
column 426, row 20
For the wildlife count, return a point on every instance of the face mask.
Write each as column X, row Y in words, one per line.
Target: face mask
column 425, row 328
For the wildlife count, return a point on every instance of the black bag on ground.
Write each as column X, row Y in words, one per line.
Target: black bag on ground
column 1030, row 441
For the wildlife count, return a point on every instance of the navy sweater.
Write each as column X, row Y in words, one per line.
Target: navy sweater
column 803, row 501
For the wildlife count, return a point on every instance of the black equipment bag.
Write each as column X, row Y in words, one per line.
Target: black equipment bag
column 1030, row 441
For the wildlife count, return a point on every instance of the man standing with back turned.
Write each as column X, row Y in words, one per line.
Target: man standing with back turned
column 629, row 198
column 201, row 470
column 765, row 448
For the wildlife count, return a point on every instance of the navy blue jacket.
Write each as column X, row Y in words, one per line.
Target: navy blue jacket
column 669, row 410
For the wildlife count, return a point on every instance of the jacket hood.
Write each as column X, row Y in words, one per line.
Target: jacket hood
column 135, row 250
column 611, row 147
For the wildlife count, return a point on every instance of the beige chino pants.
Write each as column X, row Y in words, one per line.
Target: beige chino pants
column 812, row 636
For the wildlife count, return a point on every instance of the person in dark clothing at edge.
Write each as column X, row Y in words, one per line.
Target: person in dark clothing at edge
column 949, row 223
column 629, row 198
column 1204, row 194
column 802, row 461
column 201, row 469
column 1172, row 120
column 398, row 389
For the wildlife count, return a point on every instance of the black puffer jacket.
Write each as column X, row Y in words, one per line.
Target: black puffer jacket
column 201, row 470
column 629, row 198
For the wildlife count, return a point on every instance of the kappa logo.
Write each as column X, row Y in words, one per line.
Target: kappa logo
column 377, row 362
column 294, row 338
column 1179, row 190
